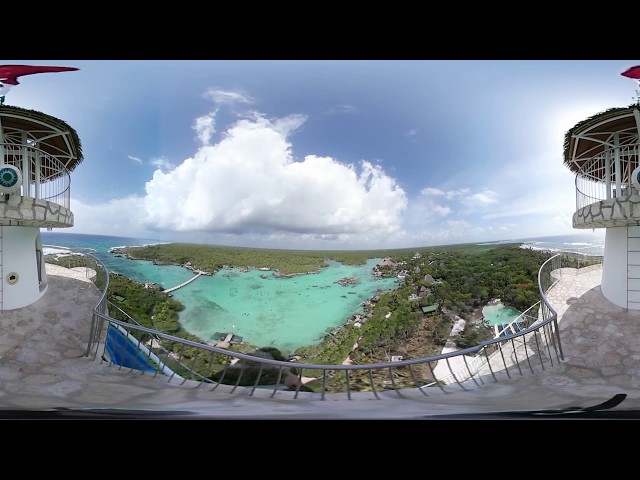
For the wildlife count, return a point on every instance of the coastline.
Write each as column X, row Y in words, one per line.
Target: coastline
column 473, row 316
column 364, row 307
column 117, row 251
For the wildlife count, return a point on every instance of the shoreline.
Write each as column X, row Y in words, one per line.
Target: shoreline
column 365, row 307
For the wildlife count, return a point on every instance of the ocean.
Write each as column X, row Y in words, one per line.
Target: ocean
column 590, row 243
column 284, row 313
column 587, row 243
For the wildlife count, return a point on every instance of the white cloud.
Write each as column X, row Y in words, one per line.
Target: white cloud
column 220, row 97
column 439, row 236
column 205, row 127
column 119, row 217
column 159, row 162
column 162, row 163
column 540, row 186
column 460, row 200
column 486, row 197
column 449, row 194
column 432, row 191
column 248, row 183
column 458, row 224
column 439, row 209
column 246, row 189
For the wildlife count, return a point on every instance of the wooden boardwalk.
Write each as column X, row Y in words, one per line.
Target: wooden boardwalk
column 183, row 283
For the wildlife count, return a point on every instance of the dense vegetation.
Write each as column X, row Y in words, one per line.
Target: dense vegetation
column 148, row 307
column 459, row 279
column 211, row 258
column 463, row 278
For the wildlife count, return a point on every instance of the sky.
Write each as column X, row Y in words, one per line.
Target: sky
column 324, row 154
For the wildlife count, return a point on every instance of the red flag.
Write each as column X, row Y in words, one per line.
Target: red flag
column 9, row 73
column 632, row 72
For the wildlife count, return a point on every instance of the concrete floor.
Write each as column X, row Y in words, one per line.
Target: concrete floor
column 43, row 368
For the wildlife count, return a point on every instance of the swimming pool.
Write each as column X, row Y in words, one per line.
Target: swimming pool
column 121, row 351
column 499, row 314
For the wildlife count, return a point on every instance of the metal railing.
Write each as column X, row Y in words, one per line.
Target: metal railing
column 529, row 350
column 591, row 179
column 529, row 337
column 525, row 318
column 44, row 177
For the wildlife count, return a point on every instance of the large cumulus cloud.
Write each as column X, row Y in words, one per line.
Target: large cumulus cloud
column 248, row 182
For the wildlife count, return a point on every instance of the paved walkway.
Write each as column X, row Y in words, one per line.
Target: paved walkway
column 43, row 367
column 600, row 341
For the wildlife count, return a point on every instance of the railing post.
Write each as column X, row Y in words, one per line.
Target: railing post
column 617, row 168
column 557, row 336
column 607, row 173
column 2, row 159
column 26, row 176
column 92, row 332
column 37, row 175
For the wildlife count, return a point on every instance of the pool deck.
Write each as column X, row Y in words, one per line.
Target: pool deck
column 43, row 367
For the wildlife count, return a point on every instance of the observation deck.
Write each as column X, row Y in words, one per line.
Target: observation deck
column 37, row 153
column 45, row 367
column 603, row 151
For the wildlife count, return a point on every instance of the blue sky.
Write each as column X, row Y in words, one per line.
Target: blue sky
column 323, row 154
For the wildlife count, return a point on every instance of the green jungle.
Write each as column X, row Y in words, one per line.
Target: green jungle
column 458, row 279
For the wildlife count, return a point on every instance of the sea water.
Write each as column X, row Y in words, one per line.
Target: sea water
column 137, row 270
column 591, row 243
column 280, row 312
column 283, row 313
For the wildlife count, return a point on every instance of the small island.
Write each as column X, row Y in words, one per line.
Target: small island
column 347, row 281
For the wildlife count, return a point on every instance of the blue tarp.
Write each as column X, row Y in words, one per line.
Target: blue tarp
column 124, row 352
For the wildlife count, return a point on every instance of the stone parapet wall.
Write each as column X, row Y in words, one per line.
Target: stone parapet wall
column 615, row 212
column 29, row 212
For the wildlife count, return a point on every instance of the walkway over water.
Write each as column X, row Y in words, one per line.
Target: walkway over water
column 183, row 283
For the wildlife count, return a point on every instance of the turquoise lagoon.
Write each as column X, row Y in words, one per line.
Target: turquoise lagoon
column 280, row 312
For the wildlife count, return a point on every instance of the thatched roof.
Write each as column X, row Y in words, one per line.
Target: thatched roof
column 53, row 136
column 592, row 136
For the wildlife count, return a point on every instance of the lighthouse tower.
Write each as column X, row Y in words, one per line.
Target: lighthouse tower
column 603, row 151
column 37, row 154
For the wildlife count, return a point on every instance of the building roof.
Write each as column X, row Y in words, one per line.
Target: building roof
column 430, row 308
column 51, row 135
column 592, row 136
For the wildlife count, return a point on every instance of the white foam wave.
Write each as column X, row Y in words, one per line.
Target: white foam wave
column 112, row 249
column 55, row 250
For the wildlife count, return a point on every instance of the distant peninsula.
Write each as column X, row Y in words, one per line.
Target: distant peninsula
column 212, row 258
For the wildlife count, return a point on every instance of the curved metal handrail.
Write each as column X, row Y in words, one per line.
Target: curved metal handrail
column 546, row 309
column 527, row 350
